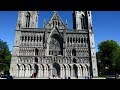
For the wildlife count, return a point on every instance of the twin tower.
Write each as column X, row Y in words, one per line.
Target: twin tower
column 29, row 19
column 54, row 51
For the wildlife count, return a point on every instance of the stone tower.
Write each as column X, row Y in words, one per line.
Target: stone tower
column 82, row 20
column 27, row 19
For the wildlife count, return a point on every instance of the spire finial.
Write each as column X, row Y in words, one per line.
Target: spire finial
column 66, row 21
column 55, row 11
column 44, row 22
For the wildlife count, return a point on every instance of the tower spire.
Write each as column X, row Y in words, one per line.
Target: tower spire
column 66, row 21
column 55, row 11
column 44, row 22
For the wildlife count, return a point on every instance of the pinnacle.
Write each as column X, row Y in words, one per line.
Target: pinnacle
column 55, row 12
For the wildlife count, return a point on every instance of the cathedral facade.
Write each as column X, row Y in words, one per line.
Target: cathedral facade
column 54, row 51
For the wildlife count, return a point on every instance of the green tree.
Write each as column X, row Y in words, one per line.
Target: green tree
column 108, row 55
column 5, row 56
column 116, row 60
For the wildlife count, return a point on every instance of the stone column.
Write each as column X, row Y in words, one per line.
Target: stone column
column 84, row 71
column 32, row 70
column 88, row 71
column 61, row 72
column 81, row 72
column 51, row 71
column 78, row 71
column 71, row 71
column 67, row 72
column 26, row 73
column 41, row 72
column 47, row 72
column 44, row 71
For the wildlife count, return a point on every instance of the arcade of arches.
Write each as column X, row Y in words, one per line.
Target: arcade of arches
column 50, row 70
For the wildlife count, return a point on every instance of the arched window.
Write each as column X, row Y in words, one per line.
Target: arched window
column 49, row 53
column 28, row 38
column 34, row 38
column 31, row 38
column 71, row 40
column 79, row 40
column 25, row 38
column 22, row 38
column 74, row 60
column 68, row 40
column 86, row 22
column 56, row 69
column 36, row 59
column 82, row 40
column 28, row 19
column 37, row 38
column 82, row 22
column 75, row 71
column 36, row 51
column 56, row 45
column 74, row 52
column 76, row 39
column 35, row 70
column 40, row 38
column 52, row 52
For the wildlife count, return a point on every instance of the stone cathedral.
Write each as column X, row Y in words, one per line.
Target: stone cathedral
column 54, row 51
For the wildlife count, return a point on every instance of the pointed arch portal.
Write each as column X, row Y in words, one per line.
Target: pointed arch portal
column 56, row 69
column 56, row 45
column 75, row 71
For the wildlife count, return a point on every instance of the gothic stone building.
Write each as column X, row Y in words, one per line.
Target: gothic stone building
column 54, row 50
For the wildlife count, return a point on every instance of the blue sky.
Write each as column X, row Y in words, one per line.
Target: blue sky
column 106, row 24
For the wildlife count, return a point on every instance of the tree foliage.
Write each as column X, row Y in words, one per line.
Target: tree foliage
column 5, row 56
column 108, row 56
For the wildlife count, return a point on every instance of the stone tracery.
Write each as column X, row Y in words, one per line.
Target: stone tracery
column 55, row 50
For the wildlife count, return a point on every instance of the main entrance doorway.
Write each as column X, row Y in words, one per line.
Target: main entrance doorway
column 56, row 70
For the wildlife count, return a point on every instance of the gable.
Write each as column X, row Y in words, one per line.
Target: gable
column 56, row 21
column 56, row 17
column 55, row 31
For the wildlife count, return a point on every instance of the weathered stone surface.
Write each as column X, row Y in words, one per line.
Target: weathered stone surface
column 54, row 51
